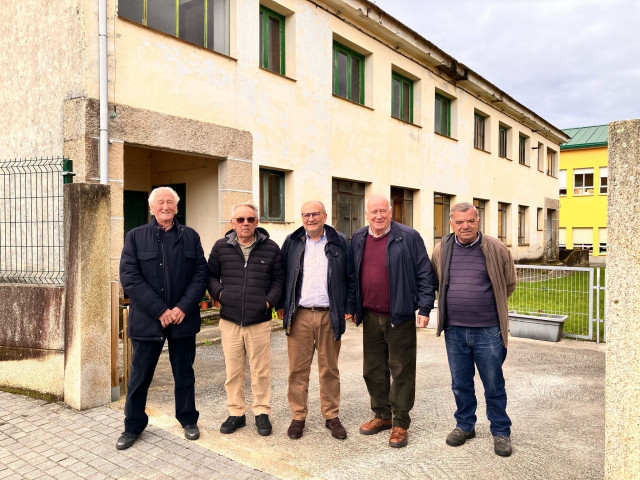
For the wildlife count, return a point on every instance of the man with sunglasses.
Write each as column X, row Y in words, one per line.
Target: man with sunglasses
column 319, row 298
column 246, row 277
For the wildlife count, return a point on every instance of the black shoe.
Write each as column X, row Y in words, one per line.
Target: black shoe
column 295, row 429
column 457, row 437
column 232, row 423
column 191, row 432
column 337, row 430
column 126, row 440
column 263, row 424
column 502, row 446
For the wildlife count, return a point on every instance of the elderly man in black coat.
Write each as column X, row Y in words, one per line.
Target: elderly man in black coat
column 164, row 273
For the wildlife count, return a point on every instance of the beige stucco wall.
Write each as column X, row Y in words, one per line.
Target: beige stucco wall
column 299, row 126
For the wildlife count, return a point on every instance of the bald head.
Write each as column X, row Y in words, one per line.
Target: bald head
column 314, row 217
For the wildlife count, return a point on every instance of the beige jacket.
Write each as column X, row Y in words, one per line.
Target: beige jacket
column 501, row 270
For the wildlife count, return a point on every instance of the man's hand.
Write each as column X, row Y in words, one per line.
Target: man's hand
column 177, row 316
column 166, row 318
column 351, row 317
column 280, row 313
column 422, row 321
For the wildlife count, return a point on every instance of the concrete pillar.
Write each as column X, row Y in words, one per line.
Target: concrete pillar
column 234, row 186
column 622, row 406
column 87, row 376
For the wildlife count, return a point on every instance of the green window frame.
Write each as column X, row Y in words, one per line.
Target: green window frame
column 201, row 22
column 272, row 40
column 401, row 97
column 442, row 119
column 271, row 195
column 478, row 131
column 348, row 73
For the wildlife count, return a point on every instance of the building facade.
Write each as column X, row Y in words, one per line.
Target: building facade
column 583, row 190
column 275, row 102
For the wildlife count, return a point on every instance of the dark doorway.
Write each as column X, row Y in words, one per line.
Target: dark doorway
column 136, row 209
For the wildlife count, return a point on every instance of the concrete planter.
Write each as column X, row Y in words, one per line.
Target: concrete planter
column 541, row 326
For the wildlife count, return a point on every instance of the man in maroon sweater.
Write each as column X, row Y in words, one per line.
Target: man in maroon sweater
column 393, row 279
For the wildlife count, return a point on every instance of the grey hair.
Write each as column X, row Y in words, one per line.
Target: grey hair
column 155, row 191
column 250, row 205
column 368, row 199
column 463, row 207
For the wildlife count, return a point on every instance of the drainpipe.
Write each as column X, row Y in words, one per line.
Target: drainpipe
column 104, row 98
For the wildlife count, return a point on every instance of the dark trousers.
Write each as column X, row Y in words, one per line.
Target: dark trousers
column 182, row 353
column 483, row 348
column 390, row 367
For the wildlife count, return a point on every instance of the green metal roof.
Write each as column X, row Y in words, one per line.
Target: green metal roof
column 585, row 137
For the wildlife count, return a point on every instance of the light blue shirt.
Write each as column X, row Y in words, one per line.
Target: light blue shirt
column 314, row 291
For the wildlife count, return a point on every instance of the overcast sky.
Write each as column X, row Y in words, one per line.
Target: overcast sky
column 575, row 63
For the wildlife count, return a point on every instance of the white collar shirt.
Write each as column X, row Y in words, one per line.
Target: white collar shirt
column 314, row 291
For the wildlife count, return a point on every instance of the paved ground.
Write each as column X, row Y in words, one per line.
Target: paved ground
column 556, row 402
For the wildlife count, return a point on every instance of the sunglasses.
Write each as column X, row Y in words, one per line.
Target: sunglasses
column 242, row 219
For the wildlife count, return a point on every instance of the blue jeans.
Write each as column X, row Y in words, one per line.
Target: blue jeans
column 483, row 347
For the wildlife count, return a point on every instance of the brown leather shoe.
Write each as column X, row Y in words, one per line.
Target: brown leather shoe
column 398, row 437
column 337, row 430
column 295, row 429
column 375, row 426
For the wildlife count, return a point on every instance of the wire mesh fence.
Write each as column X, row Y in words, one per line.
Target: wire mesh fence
column 31, row 219
column 573, row 291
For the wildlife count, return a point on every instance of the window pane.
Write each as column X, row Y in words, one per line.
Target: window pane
column 344, row 186
column 355, row 79
column 406, row 101
column 218, row 25
column 161, row 15
column 357, row 214
column 274, row 196
column 344, row 214
column 395, row 98
column 438, row 118
column 341, row 74
column 131, row 9
column 274, row 44
column 358, row 188
column 191, row 21
column 588, row 180
column 261, row 46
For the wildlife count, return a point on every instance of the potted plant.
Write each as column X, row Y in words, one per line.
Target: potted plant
column 204, row 303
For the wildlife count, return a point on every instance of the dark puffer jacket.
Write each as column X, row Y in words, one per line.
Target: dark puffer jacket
column 246, row 288
column 142, row 277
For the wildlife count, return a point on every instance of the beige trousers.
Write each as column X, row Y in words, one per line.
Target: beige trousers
column 238, row 344
column 311, row 331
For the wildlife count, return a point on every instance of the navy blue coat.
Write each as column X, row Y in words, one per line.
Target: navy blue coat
column 142, row 277
column 412, row 283
column 340, row 277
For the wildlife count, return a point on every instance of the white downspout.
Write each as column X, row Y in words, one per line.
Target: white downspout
column 104, row 96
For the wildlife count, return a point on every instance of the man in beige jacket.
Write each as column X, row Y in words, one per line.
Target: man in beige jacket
column 476, row 276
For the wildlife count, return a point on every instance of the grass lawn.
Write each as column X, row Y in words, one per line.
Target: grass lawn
column 558, row 292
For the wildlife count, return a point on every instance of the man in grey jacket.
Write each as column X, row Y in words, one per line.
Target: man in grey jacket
column 476, row 277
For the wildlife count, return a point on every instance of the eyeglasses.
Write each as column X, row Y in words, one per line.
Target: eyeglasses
column 242, row 219
column 314, row 215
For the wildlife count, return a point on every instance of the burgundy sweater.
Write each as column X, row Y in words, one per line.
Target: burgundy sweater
column 374, row 276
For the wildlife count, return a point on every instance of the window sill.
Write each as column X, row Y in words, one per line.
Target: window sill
column 482, row 150
column 277, row 74
column 523, row 244
column 406, row 122
column 446, row 136
column 352, row 102
column 524, row 165
column 507, row 158
column 182, row 40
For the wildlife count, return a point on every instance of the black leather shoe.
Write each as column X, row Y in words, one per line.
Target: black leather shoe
column 192, row 432
column 126, row 440
column 232, row 423
column 337, row 430
column 263, row 424
column 296, row 429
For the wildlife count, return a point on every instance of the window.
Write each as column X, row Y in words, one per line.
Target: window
column 271, row 40
column 271, row 195
column 604, row 171
column 540, row 157
column 348, row 74
column 522, row 150
column 401, row 97
column 540, row 220
column 602, row 240
column 402, row 203
column 202, row 22
column 478, row 131
column 562, row 238
column 502, row 221
column 582, row 238
column 583, row 181
column 348, row 206
column 480, row 207
column 562, row 182
column 522, row 225
column 443, row 115
column 502, row 141
column 441, row 208
column 551, row 162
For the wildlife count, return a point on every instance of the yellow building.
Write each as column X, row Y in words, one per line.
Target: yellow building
column 583, row 190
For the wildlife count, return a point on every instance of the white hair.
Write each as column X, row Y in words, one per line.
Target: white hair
column 155, row 191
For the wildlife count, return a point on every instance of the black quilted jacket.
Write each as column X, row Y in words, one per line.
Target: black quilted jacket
column 246, row 288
